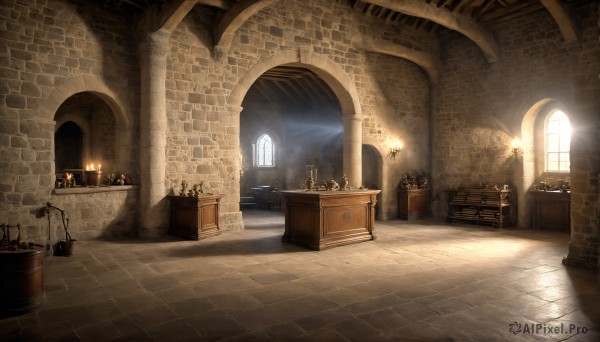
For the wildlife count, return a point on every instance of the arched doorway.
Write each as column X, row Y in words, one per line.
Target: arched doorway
column 300, row 118
column 372, row 171
column 339, row 83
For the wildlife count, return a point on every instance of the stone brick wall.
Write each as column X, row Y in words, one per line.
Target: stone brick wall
column 94, row 213
column 50, row 45
column 471, row 134
column 198, row 89
column 54, row 48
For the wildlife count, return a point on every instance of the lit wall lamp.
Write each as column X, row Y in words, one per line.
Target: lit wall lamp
column 395, row 149
column 516, row 148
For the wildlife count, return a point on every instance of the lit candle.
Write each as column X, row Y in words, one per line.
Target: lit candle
column 99, row 167
column 92, row 167
column 87, row 167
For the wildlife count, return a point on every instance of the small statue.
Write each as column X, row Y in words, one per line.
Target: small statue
column 344, row 183
column 196, row 191
column 331, row 185
column 184, row 188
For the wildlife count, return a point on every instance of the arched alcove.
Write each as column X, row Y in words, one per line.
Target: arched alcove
column 112, row 101
column 96, row 127
column 533, row 161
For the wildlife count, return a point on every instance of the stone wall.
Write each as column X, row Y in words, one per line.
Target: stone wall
column 534, row 65
column 95, row 213
column 52, row 50
column 198, row 89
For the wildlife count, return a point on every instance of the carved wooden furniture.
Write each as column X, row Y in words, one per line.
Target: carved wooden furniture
column 413, row 204
column 481, row 206
column 325, row 219
column 551, row 210
column 21, row 281
column 194, row 218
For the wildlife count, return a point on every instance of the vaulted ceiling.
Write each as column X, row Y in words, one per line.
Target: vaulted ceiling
column 298, row 85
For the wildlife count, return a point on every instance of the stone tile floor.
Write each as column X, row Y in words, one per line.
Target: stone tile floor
column 419, row 281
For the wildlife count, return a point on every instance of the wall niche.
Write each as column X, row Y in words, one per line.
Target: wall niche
column 84, row 135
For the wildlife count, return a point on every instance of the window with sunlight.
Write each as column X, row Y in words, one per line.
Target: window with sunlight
column 558, row 140
column 265, row 151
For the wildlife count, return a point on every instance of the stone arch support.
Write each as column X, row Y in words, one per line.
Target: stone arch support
column 454, row 21
column 234, row 19
column 331, row 73
column 430, row 63
column 92, row 84
column 566, row 23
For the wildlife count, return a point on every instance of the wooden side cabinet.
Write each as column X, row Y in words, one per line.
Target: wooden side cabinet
column 551, row 210
column 413, row 204
column 194, row 218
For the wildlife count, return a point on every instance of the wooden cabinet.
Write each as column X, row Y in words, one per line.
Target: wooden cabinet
column 551, row 210
column 324, row 219
column 194, row 218
column 481, row 206
column 413, row 204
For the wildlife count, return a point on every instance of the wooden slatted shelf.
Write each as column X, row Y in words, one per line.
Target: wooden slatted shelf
column 481, row 206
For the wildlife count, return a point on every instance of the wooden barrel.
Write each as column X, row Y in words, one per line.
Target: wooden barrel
column 21, row 281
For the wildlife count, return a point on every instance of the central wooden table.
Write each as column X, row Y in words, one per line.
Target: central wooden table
column 324, row 219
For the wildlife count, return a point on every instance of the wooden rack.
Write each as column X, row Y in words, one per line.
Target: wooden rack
column 481, row 206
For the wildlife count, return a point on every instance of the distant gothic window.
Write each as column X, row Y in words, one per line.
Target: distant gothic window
column 557, row 133
column 265, row 151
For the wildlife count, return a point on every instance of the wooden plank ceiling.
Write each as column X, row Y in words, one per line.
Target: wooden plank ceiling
column 295, row 86
column 480, row 10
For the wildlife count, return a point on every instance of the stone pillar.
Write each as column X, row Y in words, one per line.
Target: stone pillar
column 153, row 125
column 353, row 149
column 230, row 216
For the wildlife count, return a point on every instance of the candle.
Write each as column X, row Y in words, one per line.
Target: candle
column 99, row 167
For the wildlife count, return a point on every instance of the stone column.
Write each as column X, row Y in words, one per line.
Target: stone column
column 353, row 149
column 153, row 125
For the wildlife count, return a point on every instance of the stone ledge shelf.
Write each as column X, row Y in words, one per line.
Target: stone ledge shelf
column 94, row 189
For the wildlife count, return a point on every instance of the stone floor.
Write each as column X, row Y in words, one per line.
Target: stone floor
column 423, row 281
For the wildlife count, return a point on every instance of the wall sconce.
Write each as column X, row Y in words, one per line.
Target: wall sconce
column 516, row 148
column 395, row 149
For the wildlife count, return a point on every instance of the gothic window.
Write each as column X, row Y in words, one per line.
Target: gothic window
column 557, row 134
column 265, row 151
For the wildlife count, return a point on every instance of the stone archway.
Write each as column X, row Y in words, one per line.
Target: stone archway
column 116, row 101
column 336, row 79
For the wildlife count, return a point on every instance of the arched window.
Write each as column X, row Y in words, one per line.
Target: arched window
column 265, row 151
column 557, row 134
